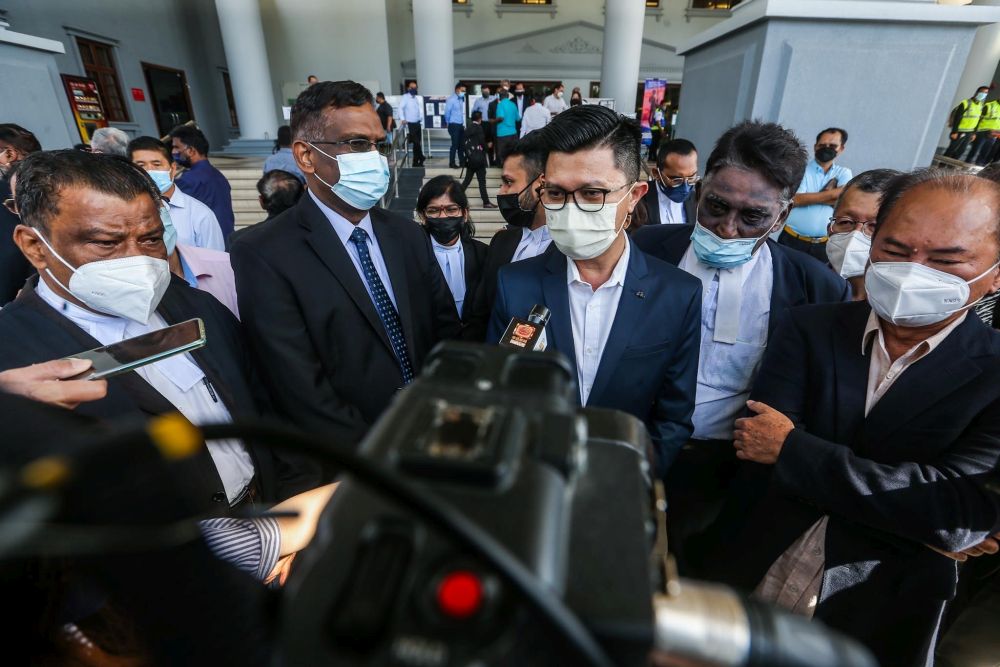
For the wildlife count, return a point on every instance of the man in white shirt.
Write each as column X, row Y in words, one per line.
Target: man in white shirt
column 628, row 323
column 411, row 109
column 195, row 223
column 555, row 102
column 535, row 117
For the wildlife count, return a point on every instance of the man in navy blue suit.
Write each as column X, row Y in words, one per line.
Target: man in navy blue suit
column 628, row 323
column 748, row 284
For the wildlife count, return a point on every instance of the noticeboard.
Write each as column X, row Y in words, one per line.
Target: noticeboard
column 434, row 112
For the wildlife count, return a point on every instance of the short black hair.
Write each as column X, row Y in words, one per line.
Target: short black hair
column 873, row 181
column 459, row 85
column 43, row 175
column 284, row 138
column 149, row 144
column 280, row 190
column 949, row 180
column 446, row 185
column 380, row 94
column 312, row 103
column 678, row 146
column 191, row 136
column 533, row 153
column 767, row 148
column 476, row 115
column 841, row 131
column 595, row 126
column 22, row 140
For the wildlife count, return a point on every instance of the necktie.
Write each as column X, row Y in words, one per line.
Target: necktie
column 383, row 305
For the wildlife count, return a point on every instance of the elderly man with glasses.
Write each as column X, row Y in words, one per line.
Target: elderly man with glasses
column 748, row 283
column 628, row 323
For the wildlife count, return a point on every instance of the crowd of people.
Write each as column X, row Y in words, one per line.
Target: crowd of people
column 803, row 345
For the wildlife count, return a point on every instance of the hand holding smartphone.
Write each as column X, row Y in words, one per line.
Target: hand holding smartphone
column 127, row 355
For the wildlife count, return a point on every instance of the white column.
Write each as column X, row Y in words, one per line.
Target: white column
column 435, row 46
column 623, row 24
column 249, row 71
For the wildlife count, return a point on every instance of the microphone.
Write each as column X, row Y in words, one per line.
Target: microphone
column 527, row 334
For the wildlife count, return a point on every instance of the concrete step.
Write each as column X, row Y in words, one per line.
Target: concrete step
column 431, row 172
column 244, row 183
column 232, row 174
column 247, row 205
column 244, row 218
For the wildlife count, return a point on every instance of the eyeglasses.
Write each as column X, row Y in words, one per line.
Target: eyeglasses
column 845, row 225
column 11, row 205
column 679, row 181
column 589, row 200
column 450, row 211
column 356, row 145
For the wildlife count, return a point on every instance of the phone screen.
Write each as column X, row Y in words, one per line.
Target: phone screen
column 132, row 353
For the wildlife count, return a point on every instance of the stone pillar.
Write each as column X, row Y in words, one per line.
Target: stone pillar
column 434, row 44
column 249, row 71
column 623, row 24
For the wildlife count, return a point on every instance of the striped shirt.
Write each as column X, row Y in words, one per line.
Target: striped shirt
column 252, row 545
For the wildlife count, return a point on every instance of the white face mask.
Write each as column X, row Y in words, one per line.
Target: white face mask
column 848, row 253
column 129, row 287
column 913, row 295
column 584, row 234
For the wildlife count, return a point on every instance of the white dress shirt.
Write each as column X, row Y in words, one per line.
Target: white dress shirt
column 555, row 104
column 535, row 118
column 671, row 213
column 411, row 108
column 451, row 259
column 195, row 223
column 736, row 305
column 178, row 379
column 592, row 312
column 533, row 243
column 344, row 228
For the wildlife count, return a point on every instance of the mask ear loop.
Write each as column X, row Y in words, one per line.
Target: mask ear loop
column 60, row 258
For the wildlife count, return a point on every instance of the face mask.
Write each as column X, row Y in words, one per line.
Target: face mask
column 364, row 178
column 980, row 97
column 519, row 93
column 677, row 194
column 848, row 253
column 510, row 208
column 129, row 287
column 913, row 295
column 413, row 91
column 720, row 253
column 169, row 231
column 445, row 230
column 575, row 101
column 162, row 180
column 826, row 154
column 461, row 96
column 181, row 159
column 584, row 234
column 559, row 95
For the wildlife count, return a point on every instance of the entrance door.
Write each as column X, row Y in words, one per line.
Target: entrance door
column 168, row 91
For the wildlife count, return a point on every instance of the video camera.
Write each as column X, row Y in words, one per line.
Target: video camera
column 563, row 557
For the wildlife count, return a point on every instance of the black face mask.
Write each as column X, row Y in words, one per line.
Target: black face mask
column 519, row 93
column 575, row 101
column 826, row 154
column 445, row 230
column 510, row 209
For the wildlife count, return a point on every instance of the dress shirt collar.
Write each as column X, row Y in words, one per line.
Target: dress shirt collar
column 178, row 199
column 617, row 275
column 874, row 326
column 538, row 235
column 690, row 263
column 77, row 314
column 440, row 248
column 341, row 225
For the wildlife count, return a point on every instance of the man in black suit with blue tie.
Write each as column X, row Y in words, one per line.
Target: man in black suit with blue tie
column 628, row 322
column 341, row 299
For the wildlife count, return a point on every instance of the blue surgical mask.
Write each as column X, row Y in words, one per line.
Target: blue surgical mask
column 162, row 180
column 364, row 178
column 461, row 96
column 413, row 91
column 720, row 253
column 677, row 194
column 980, row 97
column 169, row 231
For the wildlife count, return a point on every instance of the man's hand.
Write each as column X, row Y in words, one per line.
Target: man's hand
column 988, row 546
column 761, row 437
column 46, row 383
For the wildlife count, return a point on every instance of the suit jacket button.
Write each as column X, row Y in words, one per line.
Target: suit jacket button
column 219, row 497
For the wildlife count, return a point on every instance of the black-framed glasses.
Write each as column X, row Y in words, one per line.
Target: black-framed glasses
column 356, row 145
column 680, row 180
column 587, row 199
column 845, row 225
column 11, row 205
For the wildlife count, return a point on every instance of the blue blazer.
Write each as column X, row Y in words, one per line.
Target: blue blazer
column 649, row 366
column 799, row 279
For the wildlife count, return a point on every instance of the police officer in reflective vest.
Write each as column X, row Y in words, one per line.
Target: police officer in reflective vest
column 964, row 121
column 986, row 131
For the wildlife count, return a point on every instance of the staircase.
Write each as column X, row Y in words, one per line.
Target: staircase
column 487, row 221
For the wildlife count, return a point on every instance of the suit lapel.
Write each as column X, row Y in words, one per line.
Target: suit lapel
column 327, row 246
column 630, row 308
column 652, row 203
column 556, row 295
column 395, row 263
column 851, row 373
column 784, row 294
column 678, row 238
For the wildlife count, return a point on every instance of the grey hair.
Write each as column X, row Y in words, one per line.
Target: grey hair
column 109, row 140
column 873, row 181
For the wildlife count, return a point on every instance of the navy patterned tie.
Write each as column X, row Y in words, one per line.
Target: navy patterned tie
column 386, row 311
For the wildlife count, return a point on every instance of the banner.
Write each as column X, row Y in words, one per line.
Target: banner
column 85, row 103
column 652, row 95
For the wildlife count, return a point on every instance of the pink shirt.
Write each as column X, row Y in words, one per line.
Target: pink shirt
column 214, row 273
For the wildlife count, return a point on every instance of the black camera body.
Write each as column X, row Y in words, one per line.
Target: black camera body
column 498, row 435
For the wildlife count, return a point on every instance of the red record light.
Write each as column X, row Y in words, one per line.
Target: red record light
column 460, row 594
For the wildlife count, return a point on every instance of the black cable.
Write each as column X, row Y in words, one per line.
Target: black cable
column 419, row 500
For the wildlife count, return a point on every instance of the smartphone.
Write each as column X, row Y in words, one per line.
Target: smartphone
column 118, row 358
